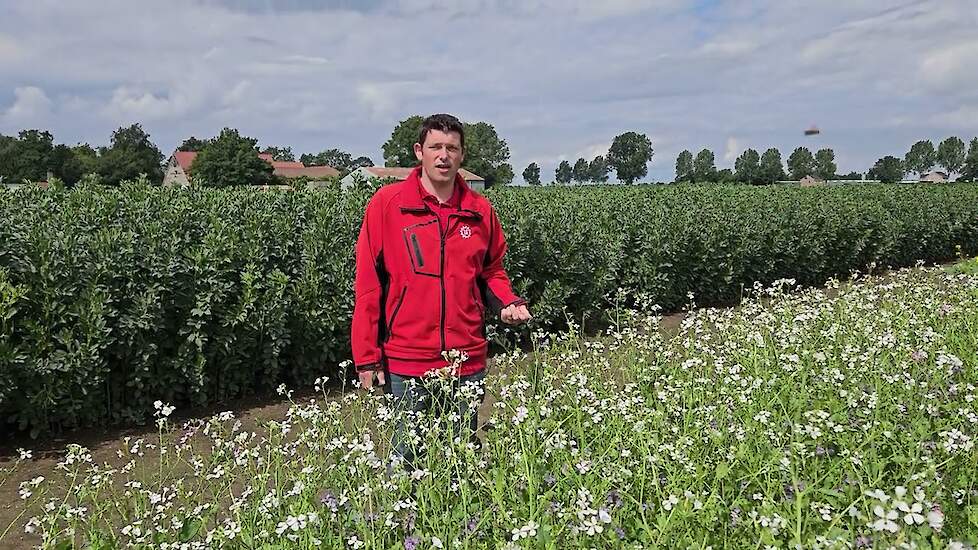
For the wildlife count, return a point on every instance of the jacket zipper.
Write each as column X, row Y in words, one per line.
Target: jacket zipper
column 441, row 279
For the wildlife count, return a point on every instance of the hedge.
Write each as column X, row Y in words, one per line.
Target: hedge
column 112, row 298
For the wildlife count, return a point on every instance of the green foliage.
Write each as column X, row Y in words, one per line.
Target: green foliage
column 825, row 164
column 399, row 149
column 770, row 169
column 969, row 172
column 598, row 169
column 950, row 154
column 231, row 159
column 704, row 167
column 531, row 174
column 111, row 298
column 129, row 155
column 26, row 157
column 801, row 163
column 921, row 157
column 281, row 154
column 564, row 173
column 341, row 160
column 629, row 155
column 888, row 169
column 684, row 167
column 747, row 167
column 581, row 171
column 193, row 144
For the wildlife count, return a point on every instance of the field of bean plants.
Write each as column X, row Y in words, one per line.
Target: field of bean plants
column 835, row 417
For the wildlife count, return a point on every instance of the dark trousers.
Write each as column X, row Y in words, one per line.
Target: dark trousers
column 414, row 396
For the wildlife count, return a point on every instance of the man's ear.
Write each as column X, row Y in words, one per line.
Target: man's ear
column 417, row 150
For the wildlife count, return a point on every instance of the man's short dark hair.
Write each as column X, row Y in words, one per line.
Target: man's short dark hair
column 442, row 123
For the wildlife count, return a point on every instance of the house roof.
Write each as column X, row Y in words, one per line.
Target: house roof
column 185, row 159
column 307, row 171
column 287, row 169
column 401, row 173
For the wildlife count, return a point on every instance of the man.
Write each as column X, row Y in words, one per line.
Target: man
column 429, row 261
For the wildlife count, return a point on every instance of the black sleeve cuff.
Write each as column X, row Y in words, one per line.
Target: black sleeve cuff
column 369, row 367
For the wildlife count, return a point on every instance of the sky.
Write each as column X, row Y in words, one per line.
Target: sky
column 558, row 79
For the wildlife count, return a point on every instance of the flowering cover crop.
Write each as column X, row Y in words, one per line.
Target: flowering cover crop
column 837, row 418
column 112, row 298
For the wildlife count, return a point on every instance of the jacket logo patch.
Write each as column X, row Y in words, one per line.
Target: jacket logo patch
column 465, row 231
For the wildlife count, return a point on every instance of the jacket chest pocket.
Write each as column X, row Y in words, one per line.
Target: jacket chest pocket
column 424, row 247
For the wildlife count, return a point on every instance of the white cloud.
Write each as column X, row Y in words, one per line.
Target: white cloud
column 31, row 105
column 733, row 149
column 557, row 78
column 951, row 67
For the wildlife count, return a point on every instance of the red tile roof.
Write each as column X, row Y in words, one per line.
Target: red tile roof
column 287, row 169
column 185, row 159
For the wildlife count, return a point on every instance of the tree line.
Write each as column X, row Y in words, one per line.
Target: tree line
column 231, row 159
column 753, row 168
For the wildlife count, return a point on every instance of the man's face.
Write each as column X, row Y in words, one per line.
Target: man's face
column 441, row 156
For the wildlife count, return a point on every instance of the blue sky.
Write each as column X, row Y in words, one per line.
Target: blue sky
column 557, row 78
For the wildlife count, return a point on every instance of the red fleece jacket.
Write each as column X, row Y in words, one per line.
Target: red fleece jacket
column 422, row 288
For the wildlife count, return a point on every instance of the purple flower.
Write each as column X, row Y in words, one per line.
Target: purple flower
column 863, row 541
column 411, row 543
column 471, row 526
column 620, row 532
column 919, row 356
column 614, row 499
column 329, row 501
column 549, row 479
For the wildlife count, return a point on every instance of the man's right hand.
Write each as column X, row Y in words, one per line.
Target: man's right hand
column 367, row 378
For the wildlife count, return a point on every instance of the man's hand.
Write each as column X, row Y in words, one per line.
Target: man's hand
column 514, row 314
column 367, row 378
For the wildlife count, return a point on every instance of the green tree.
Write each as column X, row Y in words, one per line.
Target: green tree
column 360, row 162
column 704, row 167
column 598, row 170
column 726, row 176
column 231, row 159
column 281, row 154
column 341, row 160
column 825, row 167
column 486, row 154
column 564, row 173
column 581, row 171
column 770, row 168
column 684, row 167
column 85, row 161
column 950, row 155
column 920, row 158
column 969, row 171
column 531, row 174
column 888, row 169
column 747, row 167
column 26, row 157
column 399, row 149
column 801, row 163
column 192, row 144
column 130, row 154
column 629, row 155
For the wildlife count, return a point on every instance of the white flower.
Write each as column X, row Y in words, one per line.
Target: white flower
column 935, row 518
column 25, row 454
column 912, row 513
column 885, row 521
column 436, row 542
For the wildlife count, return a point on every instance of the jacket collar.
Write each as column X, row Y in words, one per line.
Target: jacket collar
column 411, row 195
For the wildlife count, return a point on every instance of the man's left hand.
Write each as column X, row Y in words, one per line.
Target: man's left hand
column 514, row 314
